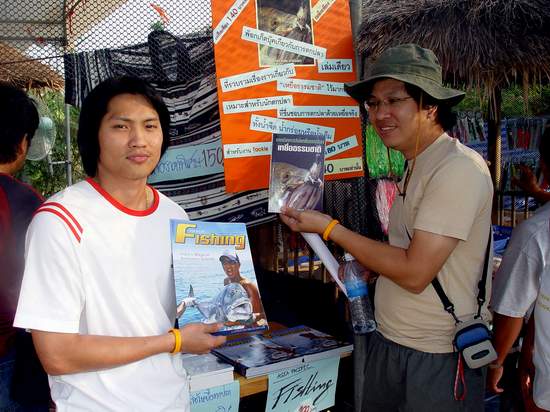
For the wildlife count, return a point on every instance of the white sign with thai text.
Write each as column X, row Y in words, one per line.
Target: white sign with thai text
column 283, row 43
column 228, row 19
column 253, row 78
column 252, row 105
column 335, row 66
column 321, row 8
column 304, row 112
column 349, row 165
column 274, row 125
column 340, row 146
column 236, row 150
column 311, row 87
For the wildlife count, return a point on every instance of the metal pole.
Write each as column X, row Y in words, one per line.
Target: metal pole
column 359, row 341
column 356, row 12
column 69, row 161
column 494, row 144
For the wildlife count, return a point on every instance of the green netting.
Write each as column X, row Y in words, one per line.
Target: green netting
column 378, row 162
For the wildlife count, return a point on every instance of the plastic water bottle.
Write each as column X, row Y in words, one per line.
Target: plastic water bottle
column 362, row 318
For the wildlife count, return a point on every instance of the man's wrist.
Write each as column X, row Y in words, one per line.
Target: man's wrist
column 176, row 333
column 328, row 228
column 495, row 365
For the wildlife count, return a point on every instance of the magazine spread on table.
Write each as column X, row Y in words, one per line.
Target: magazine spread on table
column 214, row 276
column 261, row 354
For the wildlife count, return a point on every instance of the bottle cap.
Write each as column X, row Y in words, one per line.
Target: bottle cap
column 348, row 257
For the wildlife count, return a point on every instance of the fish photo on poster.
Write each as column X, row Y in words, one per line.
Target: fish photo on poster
column 286, row 18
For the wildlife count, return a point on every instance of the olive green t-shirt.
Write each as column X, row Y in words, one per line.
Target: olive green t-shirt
column 449, row 193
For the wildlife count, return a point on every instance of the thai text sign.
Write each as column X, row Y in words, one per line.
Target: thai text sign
column 282, row 65
column 307, row 387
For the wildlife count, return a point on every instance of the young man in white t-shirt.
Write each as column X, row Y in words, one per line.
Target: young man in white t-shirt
column 97, row 293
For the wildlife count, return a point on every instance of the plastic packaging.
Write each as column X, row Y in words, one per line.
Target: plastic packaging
column 362, row 318
column 386, row 190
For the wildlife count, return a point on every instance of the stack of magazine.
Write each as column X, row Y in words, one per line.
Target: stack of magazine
column 206, row 371
column 261, row 354
column 215, row 282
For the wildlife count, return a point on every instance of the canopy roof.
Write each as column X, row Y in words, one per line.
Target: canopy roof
column 480, row 43
column 34, row 33
column 26, row 73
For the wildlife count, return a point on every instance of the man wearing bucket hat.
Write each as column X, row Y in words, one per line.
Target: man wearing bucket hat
column 439, row 227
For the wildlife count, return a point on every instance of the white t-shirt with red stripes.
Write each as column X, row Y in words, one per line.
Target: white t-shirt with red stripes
column 96, row 267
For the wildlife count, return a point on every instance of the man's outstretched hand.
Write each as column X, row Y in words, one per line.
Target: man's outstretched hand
column 309, row 221
column 197, row 337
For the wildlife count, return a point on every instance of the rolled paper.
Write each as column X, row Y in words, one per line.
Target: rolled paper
column 330, row 262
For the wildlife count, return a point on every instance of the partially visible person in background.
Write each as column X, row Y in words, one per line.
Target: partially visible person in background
column 23, row 382
column 527, row 181
column 521, row 290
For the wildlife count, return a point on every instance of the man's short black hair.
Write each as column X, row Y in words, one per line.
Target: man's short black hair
column 18, row 118
column 95, row 106
column 445, row 117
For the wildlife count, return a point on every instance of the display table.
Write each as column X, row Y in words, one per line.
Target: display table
column 257, row 384
column 251, row 386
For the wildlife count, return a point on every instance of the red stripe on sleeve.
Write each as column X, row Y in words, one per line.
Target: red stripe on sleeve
column 64, row 209
column 63, row 217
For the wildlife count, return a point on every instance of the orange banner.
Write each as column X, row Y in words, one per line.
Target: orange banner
column 281, row 66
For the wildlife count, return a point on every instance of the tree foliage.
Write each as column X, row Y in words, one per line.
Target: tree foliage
column 513, row 102
column 49, row 178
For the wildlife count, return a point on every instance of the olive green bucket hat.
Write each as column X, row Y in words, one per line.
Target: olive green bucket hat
column 411, row 64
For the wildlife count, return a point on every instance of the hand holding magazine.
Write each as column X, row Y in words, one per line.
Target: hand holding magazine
column 297, row 181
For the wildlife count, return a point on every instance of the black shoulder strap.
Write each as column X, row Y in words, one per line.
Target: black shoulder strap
column 483, row 280
column 448, row 305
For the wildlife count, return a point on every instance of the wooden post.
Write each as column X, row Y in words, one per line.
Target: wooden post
column 495, row 144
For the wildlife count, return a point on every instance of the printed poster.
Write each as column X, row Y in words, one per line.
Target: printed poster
column 281, row 68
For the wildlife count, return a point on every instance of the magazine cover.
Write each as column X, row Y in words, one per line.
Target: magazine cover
column 262, row 354
column 297, row 172
column 214, row 276
column 256, row 355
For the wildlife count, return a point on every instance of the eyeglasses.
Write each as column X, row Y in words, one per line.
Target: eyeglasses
column 373, row 105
